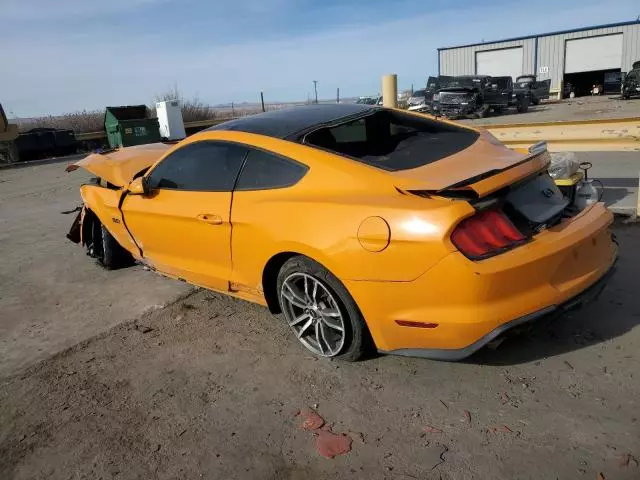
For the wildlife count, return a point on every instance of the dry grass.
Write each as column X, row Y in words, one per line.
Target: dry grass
column 192, row 110
column 79, row 122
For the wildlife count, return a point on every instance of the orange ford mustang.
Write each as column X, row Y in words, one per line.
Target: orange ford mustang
column 362, row 225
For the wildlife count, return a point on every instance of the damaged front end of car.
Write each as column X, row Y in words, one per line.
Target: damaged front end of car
column 455, row 103
column 99, row 225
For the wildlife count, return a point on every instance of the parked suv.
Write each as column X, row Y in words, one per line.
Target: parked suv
column 631, row 83
column 475, row 95
column 536, row 89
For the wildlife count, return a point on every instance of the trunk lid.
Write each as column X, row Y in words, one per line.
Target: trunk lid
column 491, row 177
column 475, row 172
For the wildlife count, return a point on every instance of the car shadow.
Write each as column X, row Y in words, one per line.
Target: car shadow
column 613, row 195
column 616, row 312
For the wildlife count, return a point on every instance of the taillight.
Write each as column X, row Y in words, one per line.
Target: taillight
column 486, row 234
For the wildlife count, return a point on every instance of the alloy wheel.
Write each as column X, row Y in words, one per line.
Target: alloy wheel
column 313, row 314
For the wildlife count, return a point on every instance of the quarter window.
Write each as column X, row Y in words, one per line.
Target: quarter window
column 200, row 167
column 264, row 170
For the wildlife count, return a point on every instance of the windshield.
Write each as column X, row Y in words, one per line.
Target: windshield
column 419, row 93
column 523, row 80
column 367, row 101
column 469, row 82
column 633, row 75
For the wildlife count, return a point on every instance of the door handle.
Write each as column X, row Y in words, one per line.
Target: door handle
column 210, row 218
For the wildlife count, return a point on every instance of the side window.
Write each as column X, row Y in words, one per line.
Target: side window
column 264, row 171
column 200, row 167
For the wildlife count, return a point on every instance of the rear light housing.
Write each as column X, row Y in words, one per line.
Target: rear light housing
column 486, row 234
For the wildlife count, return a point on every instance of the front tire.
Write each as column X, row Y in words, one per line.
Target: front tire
column 106, row 249
column 320, row 311
column 523, row 105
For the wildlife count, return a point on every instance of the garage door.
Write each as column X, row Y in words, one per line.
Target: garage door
column 593, row 53
column 499, row 63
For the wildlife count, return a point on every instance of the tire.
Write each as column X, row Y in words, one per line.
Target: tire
column 319, row 337
column 535, row 101
column 523, row 105
column 106, row 249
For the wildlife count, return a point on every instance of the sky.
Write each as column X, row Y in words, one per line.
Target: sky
column 72, row 55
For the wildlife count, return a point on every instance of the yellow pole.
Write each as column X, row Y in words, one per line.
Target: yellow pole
column 390, row 90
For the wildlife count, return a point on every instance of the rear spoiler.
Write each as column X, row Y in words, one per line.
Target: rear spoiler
column 488, row 182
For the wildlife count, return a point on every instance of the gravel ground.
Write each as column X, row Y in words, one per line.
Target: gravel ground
column 583, row 108
column 209, row 387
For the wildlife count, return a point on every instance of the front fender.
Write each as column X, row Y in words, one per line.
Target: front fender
column 105, row 204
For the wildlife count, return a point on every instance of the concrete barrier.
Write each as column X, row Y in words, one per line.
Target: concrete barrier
column 614, row 135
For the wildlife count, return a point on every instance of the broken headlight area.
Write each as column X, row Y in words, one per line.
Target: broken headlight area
column 75, row 232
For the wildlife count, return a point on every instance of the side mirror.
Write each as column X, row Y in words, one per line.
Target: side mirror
column 138, row 186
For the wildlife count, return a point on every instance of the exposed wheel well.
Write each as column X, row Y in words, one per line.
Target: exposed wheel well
column 87, row 226
column 270, row 279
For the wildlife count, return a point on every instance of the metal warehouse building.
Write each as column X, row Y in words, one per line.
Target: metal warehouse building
column 574, row 60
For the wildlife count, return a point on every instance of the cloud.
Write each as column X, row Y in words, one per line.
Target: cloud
column 79, row 69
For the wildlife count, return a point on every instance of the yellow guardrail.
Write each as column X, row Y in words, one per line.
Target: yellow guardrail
column 611, row 135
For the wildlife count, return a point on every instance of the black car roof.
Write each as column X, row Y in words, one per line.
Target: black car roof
column 290, row 123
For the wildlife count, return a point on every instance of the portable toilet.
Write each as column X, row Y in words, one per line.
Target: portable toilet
column 128, row 126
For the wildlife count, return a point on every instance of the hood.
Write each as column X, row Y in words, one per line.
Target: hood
column 118, row 167
column 484, row 167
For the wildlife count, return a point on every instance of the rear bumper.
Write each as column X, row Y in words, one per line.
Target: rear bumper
column 463, row 304
column 590, row 294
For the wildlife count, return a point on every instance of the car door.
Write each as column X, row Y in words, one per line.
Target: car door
column 505, row 88
column 264, row 203
column 542, row 89
column 183, row 224
column 490, row 90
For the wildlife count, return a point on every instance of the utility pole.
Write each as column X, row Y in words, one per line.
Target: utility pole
column 262, row 101
column 315, row 89
column 338, row 95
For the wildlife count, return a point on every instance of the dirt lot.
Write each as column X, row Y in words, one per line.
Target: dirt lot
column 208, row 386
column 51, row 295
column 583, row 108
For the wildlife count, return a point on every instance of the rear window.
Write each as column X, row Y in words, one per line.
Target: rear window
column 393, row 140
